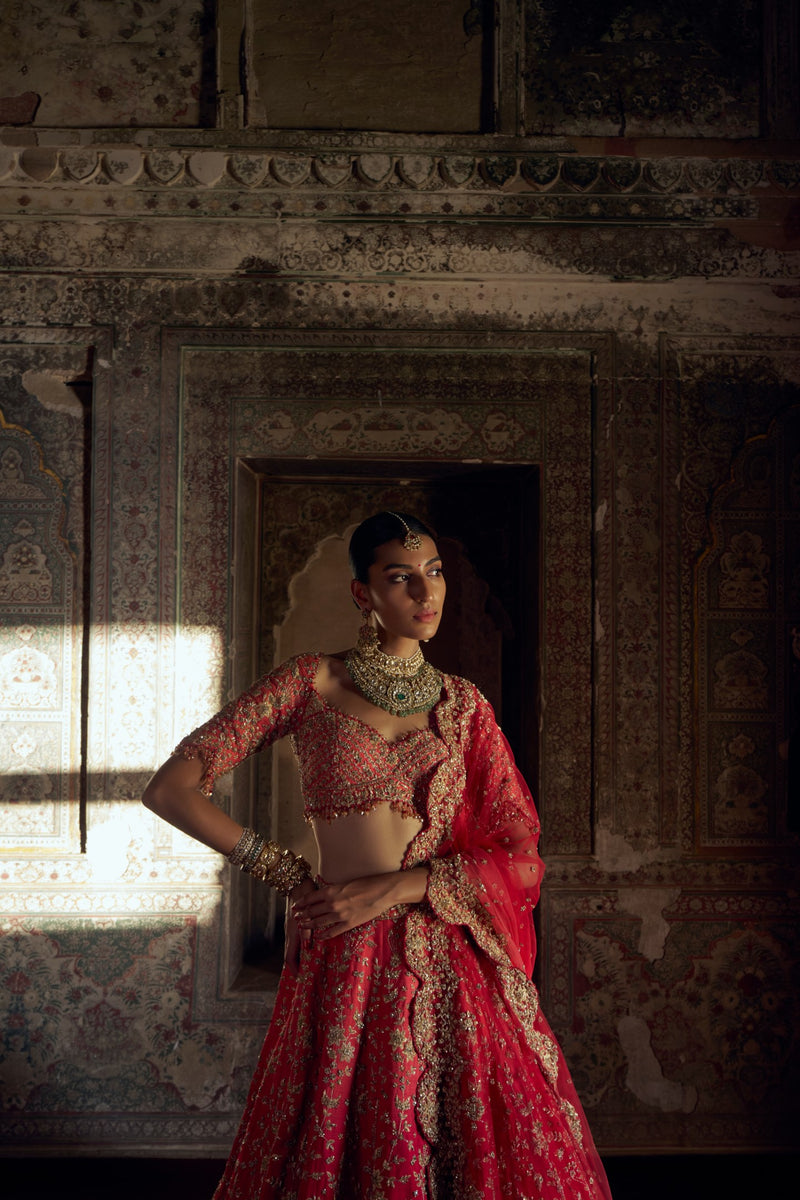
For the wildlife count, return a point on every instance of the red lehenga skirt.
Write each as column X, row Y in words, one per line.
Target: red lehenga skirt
column 398, row 1067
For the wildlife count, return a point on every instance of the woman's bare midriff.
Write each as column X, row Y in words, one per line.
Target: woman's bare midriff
column 359, row 844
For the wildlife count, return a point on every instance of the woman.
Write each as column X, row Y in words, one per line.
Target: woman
column 407, row 1057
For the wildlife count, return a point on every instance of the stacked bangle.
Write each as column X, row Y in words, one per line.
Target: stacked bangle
column 265, row 860
column 246, row 850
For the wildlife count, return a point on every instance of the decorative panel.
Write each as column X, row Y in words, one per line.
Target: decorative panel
column 40, row 655
column 110, row 1055
column 643, row 70
column 746, row 618
column 739, row 529
column 676, row 1007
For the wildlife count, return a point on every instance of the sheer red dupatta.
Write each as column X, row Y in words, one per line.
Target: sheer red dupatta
column 485, row 871
column 485, row 874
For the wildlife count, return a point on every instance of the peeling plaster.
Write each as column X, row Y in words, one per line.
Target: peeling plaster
column 600, row 516
column 649, row 904
column 19, row 109
column 614, row 853
column 51, row 391
column 645, row 1077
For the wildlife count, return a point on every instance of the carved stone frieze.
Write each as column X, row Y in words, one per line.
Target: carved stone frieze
column 519, row 183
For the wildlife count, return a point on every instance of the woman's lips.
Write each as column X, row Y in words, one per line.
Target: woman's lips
column 426, row 616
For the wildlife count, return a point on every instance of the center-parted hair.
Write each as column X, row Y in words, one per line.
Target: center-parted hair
column 375, row 531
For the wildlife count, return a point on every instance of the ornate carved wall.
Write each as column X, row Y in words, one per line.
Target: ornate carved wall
column 622, row 317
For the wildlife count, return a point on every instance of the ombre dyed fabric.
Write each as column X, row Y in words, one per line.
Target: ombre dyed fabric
column 408, row 1059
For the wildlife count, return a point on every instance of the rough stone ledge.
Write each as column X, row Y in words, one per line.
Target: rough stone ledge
column 292, row 139
column 359, row 141
column 93, row 1133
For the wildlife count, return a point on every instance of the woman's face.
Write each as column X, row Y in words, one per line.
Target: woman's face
column 406, row 591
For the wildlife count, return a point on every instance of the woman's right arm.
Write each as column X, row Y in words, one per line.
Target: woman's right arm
column 180, row 790
column 174, row 794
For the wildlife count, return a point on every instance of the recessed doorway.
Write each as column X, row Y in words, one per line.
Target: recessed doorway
column 289, row 517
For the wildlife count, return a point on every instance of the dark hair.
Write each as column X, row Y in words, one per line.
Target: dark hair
column 374, row 532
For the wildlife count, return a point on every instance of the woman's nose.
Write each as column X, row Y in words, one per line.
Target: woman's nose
column 420, row 589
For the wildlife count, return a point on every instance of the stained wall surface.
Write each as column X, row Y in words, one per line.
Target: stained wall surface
column 680, row 69
column 201, row 312
column 346, row 65
column 94, row 63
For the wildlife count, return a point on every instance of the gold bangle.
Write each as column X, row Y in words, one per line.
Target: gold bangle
column 266, row 861
column 281, row 869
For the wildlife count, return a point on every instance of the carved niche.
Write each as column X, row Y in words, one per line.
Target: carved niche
column 39, row 655
column 748, row 617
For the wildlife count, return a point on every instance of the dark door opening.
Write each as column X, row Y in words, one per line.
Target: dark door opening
column 487, row 521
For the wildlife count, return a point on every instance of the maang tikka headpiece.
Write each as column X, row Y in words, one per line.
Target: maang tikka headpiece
column 412, row 540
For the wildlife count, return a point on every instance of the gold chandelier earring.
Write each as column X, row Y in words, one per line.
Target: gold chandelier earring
column 367, row 634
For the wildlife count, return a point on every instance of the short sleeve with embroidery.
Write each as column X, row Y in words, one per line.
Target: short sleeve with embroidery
column 271, row 709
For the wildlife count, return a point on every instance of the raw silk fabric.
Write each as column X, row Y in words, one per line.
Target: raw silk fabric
column 408, row 1059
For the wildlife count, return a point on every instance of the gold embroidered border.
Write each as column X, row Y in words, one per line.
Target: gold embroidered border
column 455, row 900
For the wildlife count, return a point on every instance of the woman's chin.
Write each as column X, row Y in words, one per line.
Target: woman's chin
column 425, row 630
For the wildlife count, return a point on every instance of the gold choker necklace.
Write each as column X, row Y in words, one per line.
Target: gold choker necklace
column 401, row 686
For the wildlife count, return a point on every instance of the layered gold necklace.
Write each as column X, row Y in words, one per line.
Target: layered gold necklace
column 400, row 686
